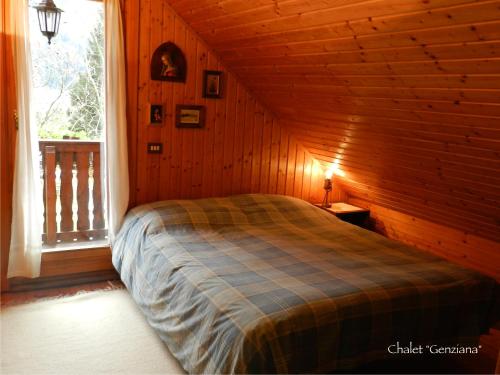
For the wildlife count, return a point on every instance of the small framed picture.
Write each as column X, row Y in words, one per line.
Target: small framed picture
column 189, row 116
column 168, row 63
column 212, row 84
column 156, row 114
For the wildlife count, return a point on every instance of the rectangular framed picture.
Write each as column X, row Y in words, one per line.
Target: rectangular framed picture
column 156, row 114
column 212, row 84
column 189, row 116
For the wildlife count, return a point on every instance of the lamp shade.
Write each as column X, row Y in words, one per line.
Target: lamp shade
column 49, row 17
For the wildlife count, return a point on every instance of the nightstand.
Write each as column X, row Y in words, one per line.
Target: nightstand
column 349, row 213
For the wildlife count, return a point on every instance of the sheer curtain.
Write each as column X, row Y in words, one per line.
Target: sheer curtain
column 27, row 206
column 116, row 123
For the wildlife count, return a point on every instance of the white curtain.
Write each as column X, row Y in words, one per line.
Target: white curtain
column 116, row 123
column 27, row 216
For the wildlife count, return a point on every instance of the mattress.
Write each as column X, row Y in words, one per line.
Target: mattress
column 271, row 284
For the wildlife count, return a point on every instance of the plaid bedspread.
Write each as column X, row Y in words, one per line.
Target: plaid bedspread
column 271, row 284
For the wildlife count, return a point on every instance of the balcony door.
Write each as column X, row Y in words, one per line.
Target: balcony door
column 68, row 105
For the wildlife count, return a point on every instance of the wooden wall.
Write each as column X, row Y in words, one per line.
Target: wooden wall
column 242, row 149
column 455, row 245
column 405, row 94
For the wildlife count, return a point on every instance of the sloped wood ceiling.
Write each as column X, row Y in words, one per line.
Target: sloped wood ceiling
column 405, row 94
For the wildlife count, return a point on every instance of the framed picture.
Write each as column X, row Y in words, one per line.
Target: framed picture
column 156, row 114
column 168, row 63
column 189, row 116
column 212, row 84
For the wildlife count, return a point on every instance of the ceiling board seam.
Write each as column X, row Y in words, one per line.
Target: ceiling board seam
column 323, row 140
column 385, row 75
column 472, row 89
column 326, row 158
column 384, row 118
column 321, row 143
column 411, row 100
column 349, row 125
column 457, row 167
column 385, row 62
column 416, row 111
column 399, row 99
column 389, row 15
column 421, row 111
column 275, row 4
column 270, row 6
column 358, row 36
column 353, row 51
column 327, row 149
column 319, row 129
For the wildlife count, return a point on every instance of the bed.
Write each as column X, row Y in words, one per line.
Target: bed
column 271, row 284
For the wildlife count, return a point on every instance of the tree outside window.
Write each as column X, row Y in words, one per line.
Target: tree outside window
column 68, row 95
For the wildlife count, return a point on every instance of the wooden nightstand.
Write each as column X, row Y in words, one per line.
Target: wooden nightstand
column 349, row 213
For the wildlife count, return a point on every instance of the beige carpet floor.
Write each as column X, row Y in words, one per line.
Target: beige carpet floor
column 93, row 333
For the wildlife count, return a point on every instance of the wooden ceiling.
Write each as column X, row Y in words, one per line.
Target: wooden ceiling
column 405, row 94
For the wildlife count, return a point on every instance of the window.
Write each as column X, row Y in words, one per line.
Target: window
column 68, row 106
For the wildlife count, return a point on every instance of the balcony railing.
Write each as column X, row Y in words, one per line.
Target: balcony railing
column 72, row 191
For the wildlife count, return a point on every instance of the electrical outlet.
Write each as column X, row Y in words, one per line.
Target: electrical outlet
column 155, row 148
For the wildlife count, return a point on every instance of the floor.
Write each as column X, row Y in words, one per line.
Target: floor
column 452, row 364
column 94, row 332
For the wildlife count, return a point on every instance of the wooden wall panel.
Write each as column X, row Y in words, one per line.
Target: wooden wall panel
column 403, row 94
column 242, row 149
column 457, row 246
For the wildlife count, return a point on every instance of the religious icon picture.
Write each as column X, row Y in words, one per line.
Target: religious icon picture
column 212, row 84
column 156, row 114
column 168, row 63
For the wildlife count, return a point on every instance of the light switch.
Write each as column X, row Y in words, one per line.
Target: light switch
column 155, row 148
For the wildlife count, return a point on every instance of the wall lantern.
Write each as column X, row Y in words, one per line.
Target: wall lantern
column 49, row 17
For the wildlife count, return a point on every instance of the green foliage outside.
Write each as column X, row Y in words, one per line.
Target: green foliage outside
column 87, row 102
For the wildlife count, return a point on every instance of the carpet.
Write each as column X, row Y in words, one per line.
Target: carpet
column 92, row 333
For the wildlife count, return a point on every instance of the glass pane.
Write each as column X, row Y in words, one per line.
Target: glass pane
column 51, row 21
column 68, row 83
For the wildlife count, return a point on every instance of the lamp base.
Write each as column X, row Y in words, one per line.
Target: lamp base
column 326, row 203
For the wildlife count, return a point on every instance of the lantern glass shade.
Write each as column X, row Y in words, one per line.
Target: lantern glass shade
column 49, row 17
